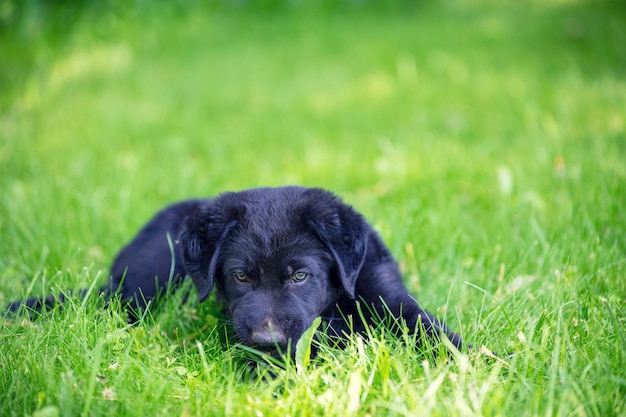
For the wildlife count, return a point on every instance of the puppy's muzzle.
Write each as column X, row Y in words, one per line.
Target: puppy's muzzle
column 267, row 334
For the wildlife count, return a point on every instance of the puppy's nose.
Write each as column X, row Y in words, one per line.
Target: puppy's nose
column 268, row 335
column 268, row 338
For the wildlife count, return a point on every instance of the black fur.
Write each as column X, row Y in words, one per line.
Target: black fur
column 278, row 258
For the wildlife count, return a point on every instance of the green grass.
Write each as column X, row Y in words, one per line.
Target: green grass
column 484, row 140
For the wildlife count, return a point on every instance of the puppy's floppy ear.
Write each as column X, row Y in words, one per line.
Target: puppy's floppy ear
column 343, row 231
column 201, row 240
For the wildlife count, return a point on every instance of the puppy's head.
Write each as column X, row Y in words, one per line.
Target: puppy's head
column 279, row 257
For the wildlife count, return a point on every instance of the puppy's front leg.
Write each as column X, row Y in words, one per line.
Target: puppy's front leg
column 425, row 324
column 384, row 294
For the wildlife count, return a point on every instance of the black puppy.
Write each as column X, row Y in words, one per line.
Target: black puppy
column 279, row 258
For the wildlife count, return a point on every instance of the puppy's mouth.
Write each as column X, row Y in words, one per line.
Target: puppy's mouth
column 273, row 354
column 275, row 350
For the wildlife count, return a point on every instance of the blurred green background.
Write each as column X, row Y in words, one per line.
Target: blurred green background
column 449, row 124
column 457, row 127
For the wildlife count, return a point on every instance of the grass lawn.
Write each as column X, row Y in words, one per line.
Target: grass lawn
column 485, row 140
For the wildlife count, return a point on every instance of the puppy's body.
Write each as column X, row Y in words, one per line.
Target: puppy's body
column 278, row 258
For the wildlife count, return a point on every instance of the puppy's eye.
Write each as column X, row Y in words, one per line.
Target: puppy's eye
column 241, row 276
column 299, row 276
